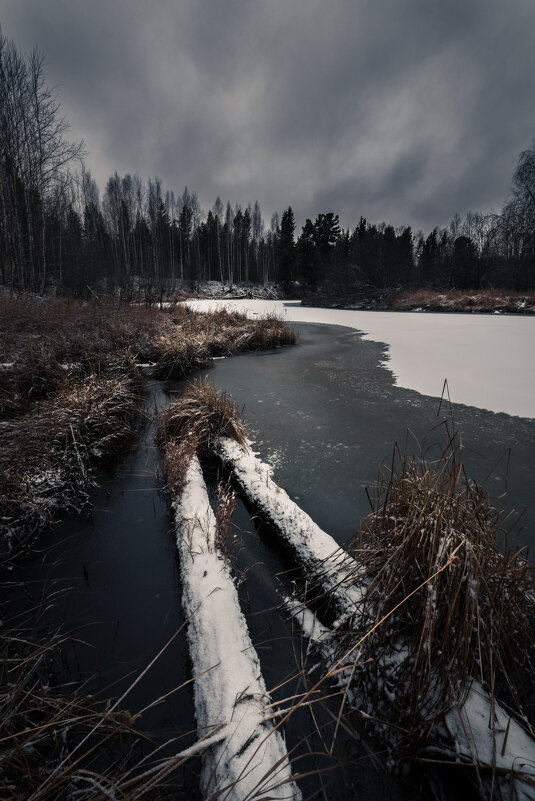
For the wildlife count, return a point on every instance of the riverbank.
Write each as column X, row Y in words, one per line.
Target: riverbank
column 370, row 298
column 71, row 391
column 469, row 301
column 365, row 297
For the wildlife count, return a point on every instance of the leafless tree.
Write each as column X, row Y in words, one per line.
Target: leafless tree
column 34, row 154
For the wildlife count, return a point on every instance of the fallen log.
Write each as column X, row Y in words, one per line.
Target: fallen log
column 251, row 760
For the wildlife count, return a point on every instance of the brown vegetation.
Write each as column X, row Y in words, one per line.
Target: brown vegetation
column 47, row 455
column 190, row 426
column 70, row 389
column 456, row 300
column 199, row 416
column 198, row 337
column 58, row 742
column 456, row 604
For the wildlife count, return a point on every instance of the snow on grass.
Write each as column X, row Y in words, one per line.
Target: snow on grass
column 251, row 762
column 485, row 358
column 316, row 552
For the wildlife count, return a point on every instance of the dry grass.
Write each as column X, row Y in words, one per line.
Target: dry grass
column 176, row 456
column 469, row 300
column 189, row 426
column 46, row 459
column 199, row 336
column 471, row 621
column 42, row 340
column 226, row 542
column 200, row 416
column 58, row 742
column 182, row 354
column 47, row 343
column 70, row 387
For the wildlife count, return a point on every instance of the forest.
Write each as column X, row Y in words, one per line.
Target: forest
column 58, row 231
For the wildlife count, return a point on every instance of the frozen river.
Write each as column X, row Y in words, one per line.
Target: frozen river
column 487, row 359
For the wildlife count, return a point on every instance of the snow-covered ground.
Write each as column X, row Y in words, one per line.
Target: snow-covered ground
column 486, row 359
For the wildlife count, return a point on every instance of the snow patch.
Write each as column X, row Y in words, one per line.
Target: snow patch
column 486, row 735
column 313, row 629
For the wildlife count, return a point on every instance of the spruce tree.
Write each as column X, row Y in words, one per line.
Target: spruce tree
column 286, row 249
column 307, row 256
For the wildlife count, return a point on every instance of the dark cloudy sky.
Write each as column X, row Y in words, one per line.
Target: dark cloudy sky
column 399, row 110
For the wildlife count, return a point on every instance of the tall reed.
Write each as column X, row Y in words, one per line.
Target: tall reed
column 435, row 529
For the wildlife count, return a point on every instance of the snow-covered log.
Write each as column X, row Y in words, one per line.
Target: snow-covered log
column 487, row 736
column 479, row 732
column 251, row 761
column 317, row 553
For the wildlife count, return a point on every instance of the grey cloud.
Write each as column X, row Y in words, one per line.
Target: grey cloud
column 405, row 112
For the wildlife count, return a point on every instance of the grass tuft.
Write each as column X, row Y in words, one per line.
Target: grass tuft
column 47, row 458
column 471, row 621
column 200, row 336
column 200, row 416
column 182, row 354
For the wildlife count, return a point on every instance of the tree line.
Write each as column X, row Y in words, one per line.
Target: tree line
column 56, row 229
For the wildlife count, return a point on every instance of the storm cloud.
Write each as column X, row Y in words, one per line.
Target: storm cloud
column 400, row 111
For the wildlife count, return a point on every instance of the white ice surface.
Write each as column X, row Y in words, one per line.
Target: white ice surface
column 487, row 359
column 229, row 690
column 316, row 552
